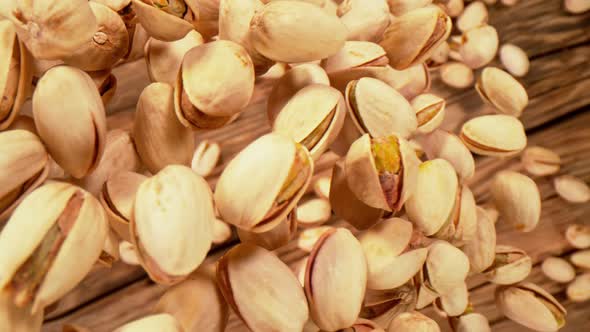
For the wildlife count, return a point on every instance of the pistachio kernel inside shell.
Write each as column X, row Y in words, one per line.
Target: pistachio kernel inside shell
column 354, row 105
column 387, row 155
column 480, row 146
column 316, row 135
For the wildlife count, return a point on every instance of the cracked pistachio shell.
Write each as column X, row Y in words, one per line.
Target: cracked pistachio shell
column 472, row 322
column 494, row 135
column 215, row 82
column 481, row 249
column 581, row 259
column 106, row 83
column 382, row 172
column 572, row 189
column 274, row 238
column 53, row 29
column 478, row 46
column 16, row 319
column 558, row 269
column 383, row 306
column 24, row 164
column 401, row 7
column 175, row 205
column 426, row 295
column 314, row 212
column 430, row 112
column 456, row 75
column 540, row 161
column 261, row 289
column 294, row 31
column 413, row 322
column 15, row 74
column 511, row 265
column 355, row 54
column 206, row 157
column 514, row 59
column 163, row 25
column 517, row 198
column 578, row 236
column 364, row 20
column 474, row 15
column 462, row 223
column 160, row 139
column 313, row 117
column 153, row 323
column 74, row 132
column 273, row 193
column 335, row 299
column 109, row 43
column 499, row 89
column 447, row 266
column 390, row 261
column 163, row 59
column 411, row 38
column 196, row 303
column 444, row 145
column 345, row 203
column 453, row 303
column 435, row 196
column 531, row 306
column 117, row 196
column 579, row 289
column 57, row 218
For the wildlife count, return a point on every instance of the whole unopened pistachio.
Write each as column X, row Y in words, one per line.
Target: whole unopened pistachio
column 294, row 31
column 321, row 186
column 355, row 54
column 206, row 157
column 314, row 212
column 365, row 21
column 196, row 303
column 73, row 132
column 166, row 20
column 540, row 161
column 272, row 187
column 400, row 7
column 497, row 88
column 57, row 218
column 160, row 139
column 576, row 6
column 558, row 269
column 494, row 135
column 511, row 265
column 474, row 15
column 17, row 319
column 579, row 289
column 274, row 238
column 478, row 46
column 446, row 267
column 578, row 236
column 581, row 259
column 471, row 322
column 411, row 322
column 413, row 37
column 481, row 250
column 308, row 237
column 153, row 323
column 572, row 189
column 444, row 145
column 175, row 205
column 456, row 75
column 517, row 198
column 261, row 289
column 335, row 299
column 430, row 112
column 514, row 59
column 531, row 306
column 454, row 302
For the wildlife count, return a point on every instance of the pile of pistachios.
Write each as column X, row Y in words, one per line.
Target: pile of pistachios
column 349, row 80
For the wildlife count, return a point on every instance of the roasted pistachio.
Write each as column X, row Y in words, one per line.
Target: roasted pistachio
column 321, row 186
column 517, row 198
column 153, row 323
column 355, row 54
column 166, row 20
column 497, row 88
column 454, row 302
column 453, row 8
column 558, row 269
column 222, row 232
column 384, row 305
column 17, row 319
column 364, row 21
column 579, row 289
column 471, row 322
column 462, row 223
column 578, row 236
column 494, row 135
column 474, row 15
column 430, row 112
column 446, row 267
column 572, row 189
column 439, row 56
column 110, row 250
column 400, row 7
column 581, row 259
column 540, row 161
column 456, row 75
column 274, row 238
column 314, row 212
column 444, row 145
column 511, row 265
column 514, row 59
column 411, row 322
column 206, row 157
column 481, row 250
column 478, row 46
column 308, row 237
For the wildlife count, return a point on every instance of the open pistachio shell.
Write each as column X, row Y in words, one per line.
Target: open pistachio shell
column 53, row 29
column 365, row 21
column 531, row 306
column 384, row 305
column 478, row 46
column 209, row 13
column 171, row 224
column 426, row 295
column 166, row 20
column 335, row 300
column 461, row 225
column 444, row 145
column 153, row 323
column 474, row 15
column 261, row 290
column 540, row 161
column 382, row 172
column 430, row 112
column 494, row 135
column 274, row 238
column 453, row 303
column 74, row 132
column 517, row 198
column 471, row 322
column 17, row 319
column 446, row 267
column 110, row 251
column 355, row 54
column 511, row 265
column 160, row 139
column 481, row 249
column 50, row 261
column 412, row 322
column 271, row 195
column 497, row 88
column 411, row 38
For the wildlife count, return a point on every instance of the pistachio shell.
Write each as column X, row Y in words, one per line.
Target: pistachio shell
column 439, row 56
column 572, row 189
column 335, row 300
column 175, row 205
column 455, row 302
column 579, row 289
column 447, row 266
column 314, row 212
column 222, row 232
column 401, row 7
column 74, row 132
column 430, row 112
column 261, row 289
column 355, row 54
column 16, row 319
column 164, row 26
column 308, row 237
column 576, row 6
column 511, row 265
column 581, row 259
column 499, row 89
column 473, row 322
column 209, row 13
column 474, row 15
column 364, row 20
column 321, row 186
column 578, row 236
column 494, row 135
column 206, row 157
column 481, row 250
column 444, row 145
column 540, row 161
column 479, row 46
column 54, row 213
column 426, row 296
column 456, row 75
column 514, row 59
column 453, row 8
column 106, row 83
column 463, row 227
column 153, row 323
column 558, row 269
column 274, row 238
column 110, row 250
column 293, row 31
column 128, row 254
column 411, row 322
column 518, row 199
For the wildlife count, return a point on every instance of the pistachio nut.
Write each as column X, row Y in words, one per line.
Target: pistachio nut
column 313, row 117
column 261, row 289
column 578, row 236
column 540, row 161
column 57, row 218
column 471, row 322
column 110, row 250
column 117, row 196
column 274, row 238
column 231, row 87
column 579, row 289
column 74, row 132
column 494, row 135
column 453, row 8
column 175, row 204
column 411, row 322
column 384, row 305
column 295, row 31
column 321, row 186
column 314, row 212
column 308, row 237
column 166, row 20
column 581, row 259
column 153, row 323
column 572, row 189
column 514, row 59
column 335, row 300
column 382, row 172
column 17, row 319
column 206, row 157
column 461, row 225
column 456, row 75
column 576, row 6
column 106, row 83
column 531, row 306
column 128, row 254
column 196, row 303
column 497, row 88
column 24, row 164
column 400, row 7
column 222, row 232
column 425, row 294
column 413, row 37
column 160, row 139
column 364, row 21
column 390, row 261
column 121, row 120
column 454, row 302
column 474, row 15
column 558, row 269
column 439, row 56
column 478, row 46
column 511, row 265
column 345, row 203
column 430, row 112
column 444, row 145
column 53, row 29
column 163, row 59
column 517, row 198
column 481, row 250
column 355, row 54
column 446, row 267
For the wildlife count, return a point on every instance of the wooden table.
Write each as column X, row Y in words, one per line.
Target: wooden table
column 558, row 117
